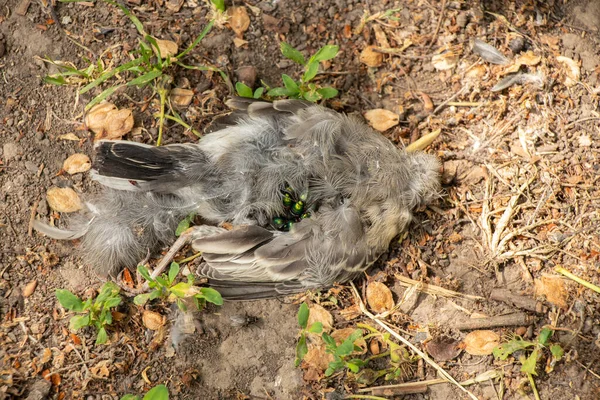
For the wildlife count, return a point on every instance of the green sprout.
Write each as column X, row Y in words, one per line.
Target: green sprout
column 164, row 286
column 317, row 327
column 303, row 88
column 529, row 353
column 159, row 392
column 96, row 313
column 148, row 68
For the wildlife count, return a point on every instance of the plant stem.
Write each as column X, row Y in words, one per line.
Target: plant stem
column 364, row 396
column 190, row 258
column 532, row 383
column 162, row 92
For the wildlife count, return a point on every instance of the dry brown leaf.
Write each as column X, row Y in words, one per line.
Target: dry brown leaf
column 444, row 61
column 46, row 355
column 554, row 288
column 29, row 288
column 108, row 122
column 69, row 136
column 101, row 369
column 63, row 199
column 370, row 57
column 339, row 335
column 319, row 314
column 239, row 42
column 153, row 320
column 481, row 343
column 239, row 21
column 351, row 312
column 374, row 347
column 423, row 142
column 167, row 48
column 77, row 163
column 476, row 73
column 381, row 119
column 379, row 297
column 181, row 97
column 443, row 348
column 317, row 358
column 528, row 58
column 572, row 70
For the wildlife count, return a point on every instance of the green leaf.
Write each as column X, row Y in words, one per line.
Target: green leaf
column 130, row 397
column 313, row 97
column 181, row 289
column 109, row 289
column 155, row 294
column 211, row 295
column 102, row 336
column 112, row 302
column 109, row 74
column 352, row 367
column 329, row 341
column 506, row 349
column 329, row 371
column 159, row 392
column 303, row 313
column 219, row 4
column 184, row 224
column 259, row 92
column 146, row 78
column 162, row 281
column 58, row 80
column 144, row 272
column 325, row 53
column 290, row 84
column 198, row 39
column 316, row 327
column 278, row 91
column 181, row 305
column 557, row 352
column 291, row 53
column 545, row 335
column 311, row 71
column 79, row 321
column 68, row 300
column 103, row 95
column 243, row 90
column 173, row 271
column 301, row 349
column 347, row 346
column 530, row 362
column 327, row 92
column 141, row 299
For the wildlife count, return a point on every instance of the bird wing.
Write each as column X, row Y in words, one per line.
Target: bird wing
column 251, row 262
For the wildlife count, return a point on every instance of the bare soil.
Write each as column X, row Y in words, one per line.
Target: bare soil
column 527, row 149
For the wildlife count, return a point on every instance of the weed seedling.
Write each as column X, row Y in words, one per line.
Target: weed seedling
column 529, row 353
column 149, row 67
column 95, row 312
column 317, row 327
column 164, row 286
column 341, row 354
column 304, row 88
column 159, row 392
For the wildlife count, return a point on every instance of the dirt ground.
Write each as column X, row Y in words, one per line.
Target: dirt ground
column 520, row 192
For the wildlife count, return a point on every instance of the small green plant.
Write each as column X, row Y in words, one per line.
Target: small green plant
column 218, row 5
column 95, row 312
column 164, row 286
column 316, row 327
column 341, row 354
column 244, row 90
column 159, row 392
column 529, row 353
column 184, row 224
column 149, row 67
column 304, row 88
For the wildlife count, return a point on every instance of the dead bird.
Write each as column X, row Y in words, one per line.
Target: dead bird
column 314, row 197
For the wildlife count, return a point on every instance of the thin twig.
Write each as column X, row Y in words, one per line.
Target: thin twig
column 424, row 356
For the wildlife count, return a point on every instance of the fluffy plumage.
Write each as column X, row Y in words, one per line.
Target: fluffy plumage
column 361, row 189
